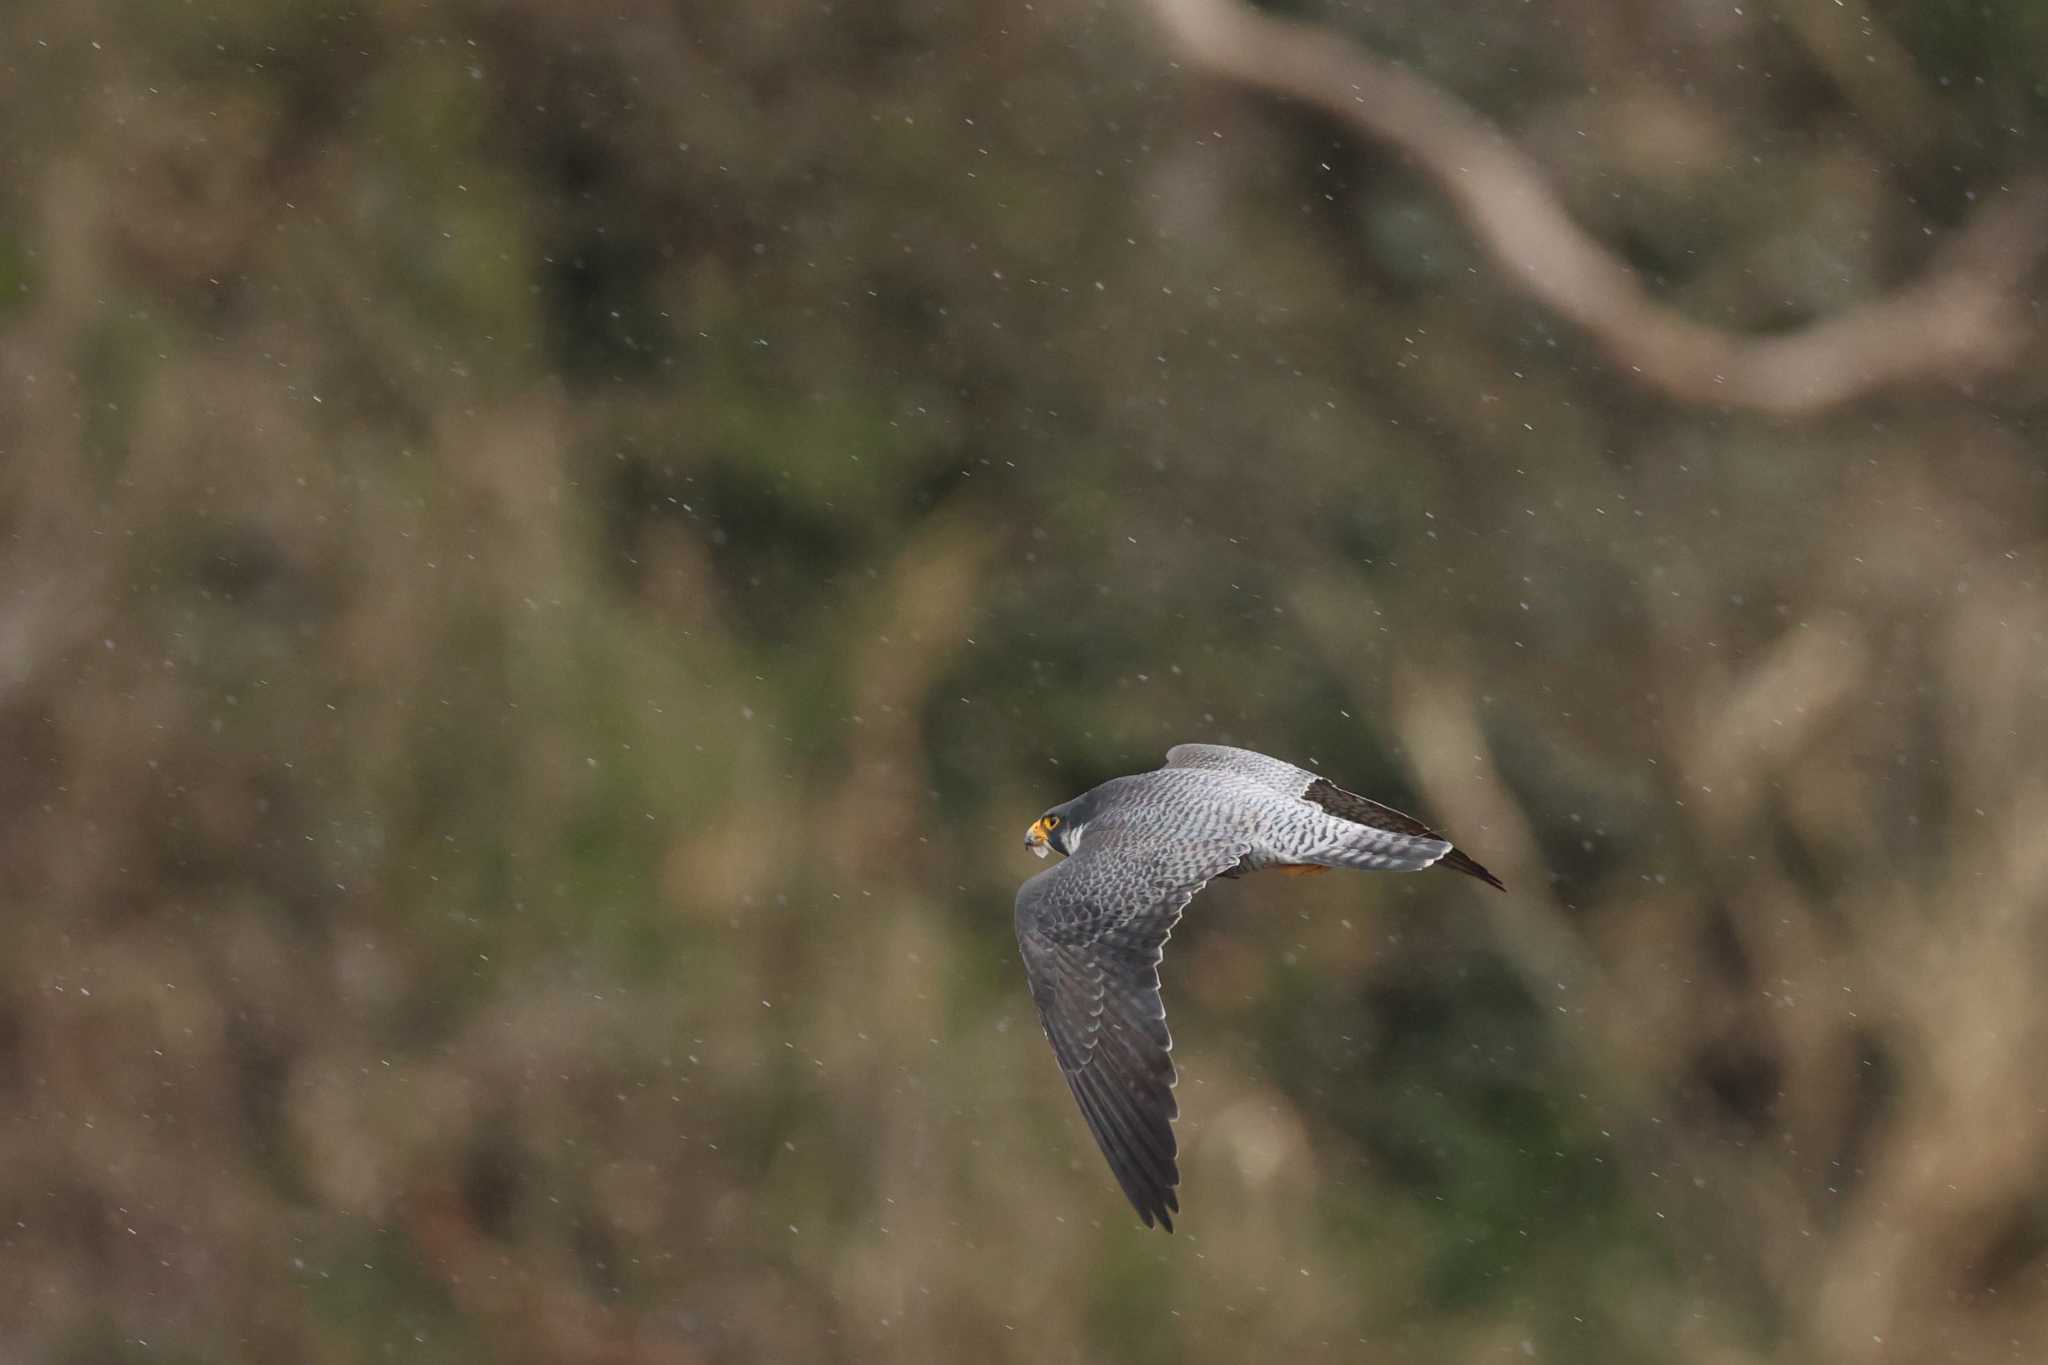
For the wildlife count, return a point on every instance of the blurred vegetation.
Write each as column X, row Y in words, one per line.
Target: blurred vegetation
column 550, row 556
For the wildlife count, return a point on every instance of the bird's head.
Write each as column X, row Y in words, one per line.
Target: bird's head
column 1058, row 830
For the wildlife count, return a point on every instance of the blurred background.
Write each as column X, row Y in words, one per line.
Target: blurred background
column 548, row 554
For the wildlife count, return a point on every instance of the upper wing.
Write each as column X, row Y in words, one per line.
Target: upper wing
column 1092, row 931
column 1414, row 836
column 1282, row 777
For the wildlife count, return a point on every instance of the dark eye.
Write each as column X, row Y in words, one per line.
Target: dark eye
column 1052, row 822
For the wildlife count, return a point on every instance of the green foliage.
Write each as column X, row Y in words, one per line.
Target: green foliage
column 551, row 556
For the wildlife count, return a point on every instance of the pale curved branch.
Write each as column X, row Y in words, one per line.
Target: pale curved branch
column 1963, row 318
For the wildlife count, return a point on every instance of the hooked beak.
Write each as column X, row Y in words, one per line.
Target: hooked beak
column 1034, row 838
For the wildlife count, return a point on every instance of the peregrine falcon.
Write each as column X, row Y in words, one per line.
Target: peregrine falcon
column 1094, row 928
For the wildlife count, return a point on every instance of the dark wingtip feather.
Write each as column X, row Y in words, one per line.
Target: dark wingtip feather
column 1458, row 862
column 1168, row 1205
column 1139, row 1150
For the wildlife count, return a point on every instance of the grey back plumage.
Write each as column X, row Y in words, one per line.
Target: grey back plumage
column 1093, row 929
column 1319, row 791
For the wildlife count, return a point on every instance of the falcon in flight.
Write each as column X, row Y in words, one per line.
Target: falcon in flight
column 1137, row 849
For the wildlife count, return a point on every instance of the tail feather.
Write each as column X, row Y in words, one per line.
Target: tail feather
column 1458, row 862
column 1396, row 840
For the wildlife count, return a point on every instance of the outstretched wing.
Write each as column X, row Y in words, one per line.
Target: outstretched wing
column 1092, row 931
column 1346, row 805
column 1280, row 776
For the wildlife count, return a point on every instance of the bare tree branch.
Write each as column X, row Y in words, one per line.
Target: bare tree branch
column 1960, row 320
